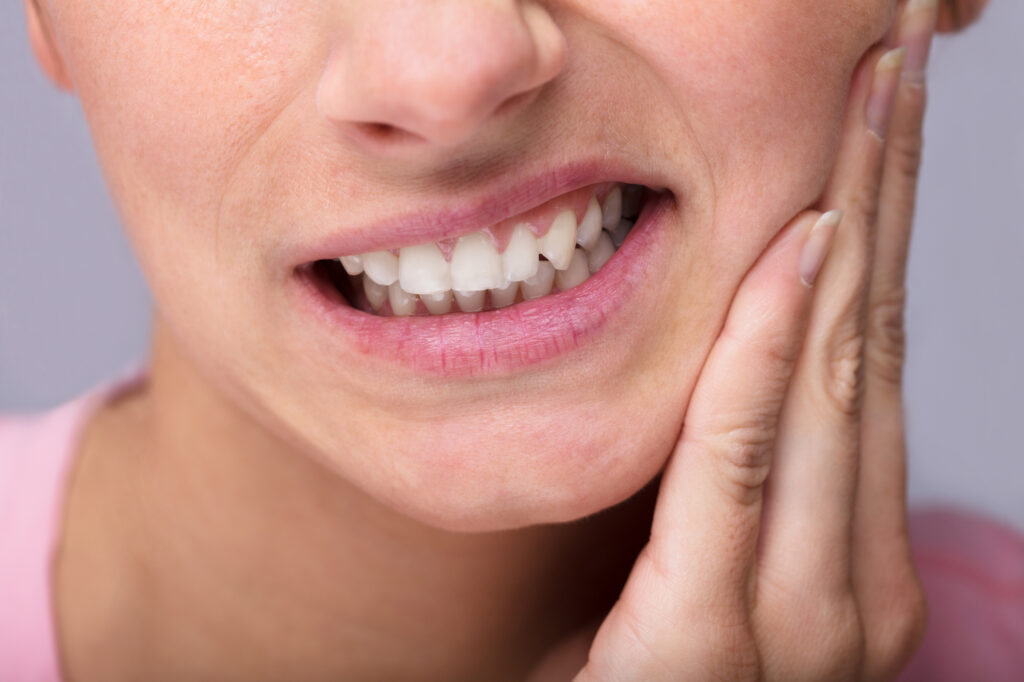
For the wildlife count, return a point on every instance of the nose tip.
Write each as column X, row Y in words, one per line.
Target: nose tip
column 432, row 74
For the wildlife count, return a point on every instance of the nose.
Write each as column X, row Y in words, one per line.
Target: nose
column 432, row 73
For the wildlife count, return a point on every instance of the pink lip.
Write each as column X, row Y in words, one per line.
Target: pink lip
column 483, row 210
column 496, row 341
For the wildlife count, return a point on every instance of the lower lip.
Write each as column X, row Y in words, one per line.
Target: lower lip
column 496, row 341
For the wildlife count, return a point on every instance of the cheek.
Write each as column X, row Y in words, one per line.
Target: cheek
column 760, row 86
column 179, row 94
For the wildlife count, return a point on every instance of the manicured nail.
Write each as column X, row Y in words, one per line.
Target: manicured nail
column 917, row 26
column 883, row 90
column 816, row 248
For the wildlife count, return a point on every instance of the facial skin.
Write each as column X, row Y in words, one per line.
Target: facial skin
column 233, row 133
column 233, row 136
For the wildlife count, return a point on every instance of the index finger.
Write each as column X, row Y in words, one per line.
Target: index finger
column 697, row 567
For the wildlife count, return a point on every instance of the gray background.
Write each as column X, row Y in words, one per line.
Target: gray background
column 74, row 307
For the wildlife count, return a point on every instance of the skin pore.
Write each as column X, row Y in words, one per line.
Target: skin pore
column 301, row 511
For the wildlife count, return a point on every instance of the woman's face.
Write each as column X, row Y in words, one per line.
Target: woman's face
column 245, row 139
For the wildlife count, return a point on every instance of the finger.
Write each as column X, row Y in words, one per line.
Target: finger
column 956, row 15
column 884, row 577
column 806, row 549
column 696, row 568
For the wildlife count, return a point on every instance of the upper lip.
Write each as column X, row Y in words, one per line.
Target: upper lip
column 507, row 197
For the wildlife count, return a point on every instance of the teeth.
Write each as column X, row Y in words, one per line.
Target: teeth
column 619, row 235
column 381, row 267
column 376, row 294
column 402, row 302
column 476, row 264
column 600, row 254
column 540, row 284
column 574, row 275
column 506, row 296
column 470, row 301
column 353, row 264
column 612, row 209
column 590, row 227
column 439, row 303
column 520, row 256
column 458, row 275
column 423, row 270
column 558, row 244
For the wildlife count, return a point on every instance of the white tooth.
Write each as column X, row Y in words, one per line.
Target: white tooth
column 600, row 254
column 439, row 303
column 402, row 302
column 423, row 270
column 590, row 226
column 520, row 256
column 376, row 294
column 353, row 264
column 631, row 201
column 470, row 301
column 619, row 235
column 612, row 208
column 381, row 267
column 558, row 244
column 540, row 283
column 577, row 272
column 506, row 296
column 476, row 264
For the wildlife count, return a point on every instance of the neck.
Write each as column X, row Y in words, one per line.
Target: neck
column 223, row 553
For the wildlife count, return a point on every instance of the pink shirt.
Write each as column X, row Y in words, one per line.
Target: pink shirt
column 972, row 568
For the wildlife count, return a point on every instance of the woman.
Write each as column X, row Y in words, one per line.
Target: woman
column 396, row 425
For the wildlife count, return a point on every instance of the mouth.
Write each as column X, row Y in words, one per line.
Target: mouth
column 552, row 248
column 500, row 297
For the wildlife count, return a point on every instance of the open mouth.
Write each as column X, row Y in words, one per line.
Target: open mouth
column 549, row 249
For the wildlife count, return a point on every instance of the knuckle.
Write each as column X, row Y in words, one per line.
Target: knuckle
column 844, row 374
column 887, row 342
column 742, row 456
column 837, row 630
column 903, row 153
column 897, row 632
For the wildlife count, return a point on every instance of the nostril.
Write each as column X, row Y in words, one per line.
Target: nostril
column 384, row 133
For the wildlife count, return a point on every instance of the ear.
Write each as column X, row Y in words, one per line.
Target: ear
column 44, row 45
column 956, row 15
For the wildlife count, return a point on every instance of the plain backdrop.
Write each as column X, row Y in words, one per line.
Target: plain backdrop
column 74, row 308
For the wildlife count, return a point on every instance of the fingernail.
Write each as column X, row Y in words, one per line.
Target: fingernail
column 816, row 248
column 883, row 90
column 917, row 26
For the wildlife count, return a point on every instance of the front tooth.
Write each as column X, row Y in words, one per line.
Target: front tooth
column 577, row 272
column 353, row 264
column 619, row 235
column 381, row 267
column 540, row 284
column 506, row 296
column 590, row 226
column 376, row 294
column 612, row 209
column 439, row 303
column 519, row 258
column 470, row 301
column 476, row 264
column 600, row 254
column 422, row 269
column 402, row 302
column 560, row 241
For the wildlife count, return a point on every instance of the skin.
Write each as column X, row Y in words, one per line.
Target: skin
column 230, row 133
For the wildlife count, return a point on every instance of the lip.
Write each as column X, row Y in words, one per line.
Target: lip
column 516, row 196
column 499, row 341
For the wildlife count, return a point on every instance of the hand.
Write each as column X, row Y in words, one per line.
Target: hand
column 779, row 546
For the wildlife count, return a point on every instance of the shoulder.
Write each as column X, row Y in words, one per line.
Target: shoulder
column 972, row 571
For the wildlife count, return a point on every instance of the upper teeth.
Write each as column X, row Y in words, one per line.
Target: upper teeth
column 475, row 265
